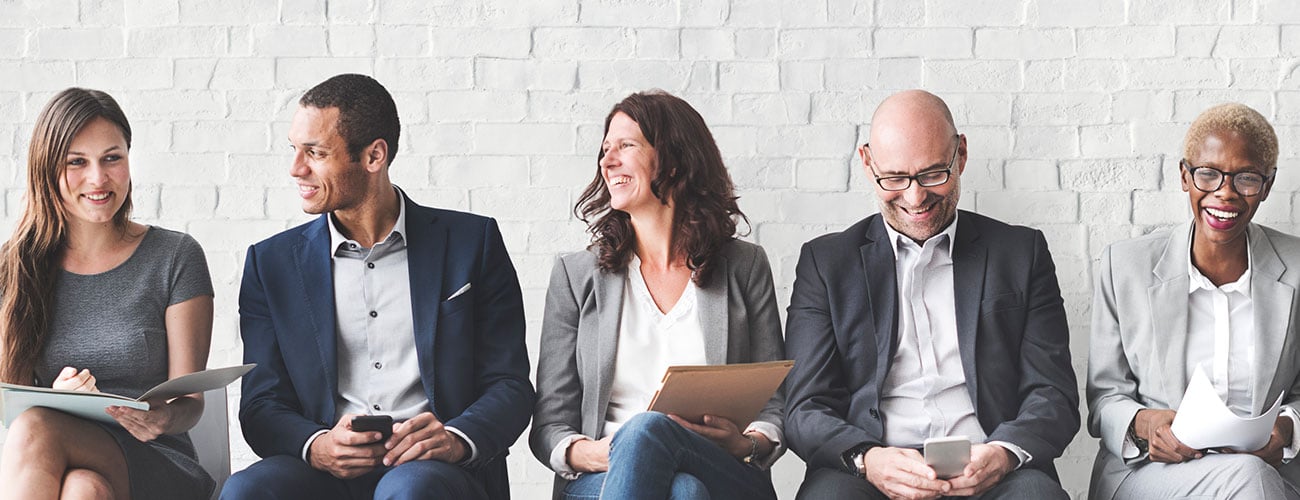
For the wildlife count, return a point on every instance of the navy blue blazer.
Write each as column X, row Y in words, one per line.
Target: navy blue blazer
column 842, row 332
column 471, row 351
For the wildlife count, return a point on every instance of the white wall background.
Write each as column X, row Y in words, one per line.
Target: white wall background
column 1075, row 112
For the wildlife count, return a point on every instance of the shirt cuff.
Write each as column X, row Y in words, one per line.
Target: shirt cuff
column 1289, row 452
column 306, row 447
column 559, row 462
column 1019, row 452
column 773, row 434
column 473, row 450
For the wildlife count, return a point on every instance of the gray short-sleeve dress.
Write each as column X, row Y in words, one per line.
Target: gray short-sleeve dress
column 113, row 323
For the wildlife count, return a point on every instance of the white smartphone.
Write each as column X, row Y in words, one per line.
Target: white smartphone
column 948, row 456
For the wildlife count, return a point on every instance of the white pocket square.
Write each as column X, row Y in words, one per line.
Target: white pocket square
column 460, row 292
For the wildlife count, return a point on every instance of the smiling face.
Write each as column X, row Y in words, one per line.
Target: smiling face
column 628, row 165
column 97, row 175
column 328, row 179
column 1221, row 216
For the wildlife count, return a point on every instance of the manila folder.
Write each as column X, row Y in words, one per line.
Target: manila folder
column 737, row 392
column 14, row 399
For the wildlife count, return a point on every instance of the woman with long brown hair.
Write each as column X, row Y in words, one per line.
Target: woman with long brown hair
column 664, row 282
column 91, row 301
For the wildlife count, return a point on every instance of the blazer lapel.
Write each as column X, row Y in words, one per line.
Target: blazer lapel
column 1168, row 298
column 426, row 251
column 882, row 293
column 315, row 268
column 609, row 311
column 969, row 258
column 1273, row 306
column 713, row 314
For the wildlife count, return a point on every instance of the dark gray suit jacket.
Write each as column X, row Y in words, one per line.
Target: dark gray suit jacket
column 1011, row 329
column 580, row 330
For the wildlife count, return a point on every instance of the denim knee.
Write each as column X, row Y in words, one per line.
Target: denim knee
column 687, row 487
column 650, row 423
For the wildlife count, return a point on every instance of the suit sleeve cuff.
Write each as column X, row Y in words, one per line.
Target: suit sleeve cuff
column 558, row 461
column 773, row 434
column 473, row 450
column 1019, row 452
column 1289, row 452
column 306, row 447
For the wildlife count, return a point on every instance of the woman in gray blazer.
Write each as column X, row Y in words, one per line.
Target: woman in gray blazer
column 664, row 282
column 1217, row 295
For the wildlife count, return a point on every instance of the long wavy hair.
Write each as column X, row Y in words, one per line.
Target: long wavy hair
column 689, row 172
column 29, row 260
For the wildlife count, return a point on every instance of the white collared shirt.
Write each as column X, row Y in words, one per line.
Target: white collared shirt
column 924, row 395
column 378, row 369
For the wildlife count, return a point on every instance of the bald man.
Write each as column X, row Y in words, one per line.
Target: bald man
column 925, row 321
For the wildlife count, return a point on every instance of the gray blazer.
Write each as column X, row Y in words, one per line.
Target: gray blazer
column 580, row 332
column 1137, row 357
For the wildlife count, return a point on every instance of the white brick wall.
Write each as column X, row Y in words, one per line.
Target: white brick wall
column 1075, row 113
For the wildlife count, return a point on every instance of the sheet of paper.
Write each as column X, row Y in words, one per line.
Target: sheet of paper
column 1204, row 421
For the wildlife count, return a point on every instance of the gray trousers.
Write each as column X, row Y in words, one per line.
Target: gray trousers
column 1211, row 477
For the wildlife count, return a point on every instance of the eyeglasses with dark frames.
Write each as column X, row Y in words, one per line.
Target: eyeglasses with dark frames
column 1210, row 179
column 929, row 178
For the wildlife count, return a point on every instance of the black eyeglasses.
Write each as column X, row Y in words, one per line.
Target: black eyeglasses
column 930, row 178
column 1210, row 179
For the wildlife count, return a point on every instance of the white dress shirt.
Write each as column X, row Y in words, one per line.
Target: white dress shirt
column 924, row 395
column 649, row 341
column 379, row 373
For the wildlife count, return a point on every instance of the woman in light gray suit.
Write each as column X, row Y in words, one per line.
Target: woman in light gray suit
column 1219, row 294
column 665, row 282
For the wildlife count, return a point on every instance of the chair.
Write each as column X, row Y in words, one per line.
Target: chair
column 211, row 437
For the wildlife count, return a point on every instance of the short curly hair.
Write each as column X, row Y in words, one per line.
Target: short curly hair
column 1261, row 140
column 366, row 111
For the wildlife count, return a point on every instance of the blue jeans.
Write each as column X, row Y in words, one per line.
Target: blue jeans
column 651, row 457
column 284, row 478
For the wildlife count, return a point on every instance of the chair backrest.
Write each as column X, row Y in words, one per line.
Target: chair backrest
column 211, row 437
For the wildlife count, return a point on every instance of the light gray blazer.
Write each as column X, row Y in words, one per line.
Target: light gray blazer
column 580, row 330
column 1137, row 358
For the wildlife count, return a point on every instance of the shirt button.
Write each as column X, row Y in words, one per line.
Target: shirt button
column 374, row 314
column 378, row 365
column 376, row 407
column 370, row 265
column 352, row 246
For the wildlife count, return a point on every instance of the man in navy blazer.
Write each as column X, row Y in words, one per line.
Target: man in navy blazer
column 379, row 306
column 927, row 322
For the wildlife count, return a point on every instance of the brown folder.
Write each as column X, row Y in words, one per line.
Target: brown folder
column 738, row 392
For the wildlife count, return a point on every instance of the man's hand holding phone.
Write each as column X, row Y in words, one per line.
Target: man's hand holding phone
column 346, row 453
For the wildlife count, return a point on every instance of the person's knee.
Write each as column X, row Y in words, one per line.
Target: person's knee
column 1029, row 483
column 650, row 423
column 88, row 484
column 427, row 479
column 272, row 478
column 34, row 428
column 686, row 486
column 1242, row 472
column 829, row 483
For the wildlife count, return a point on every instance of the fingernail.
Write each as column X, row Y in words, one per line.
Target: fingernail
column 387, row 462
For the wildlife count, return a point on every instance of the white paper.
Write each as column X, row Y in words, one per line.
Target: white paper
column 1203, row 420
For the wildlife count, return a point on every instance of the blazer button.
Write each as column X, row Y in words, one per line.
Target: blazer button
column 874, row 414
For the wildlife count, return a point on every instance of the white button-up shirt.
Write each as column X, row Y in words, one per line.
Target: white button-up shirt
column 924, row 395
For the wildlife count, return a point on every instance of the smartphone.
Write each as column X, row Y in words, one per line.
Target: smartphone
column 948, row 456
column 371, row 423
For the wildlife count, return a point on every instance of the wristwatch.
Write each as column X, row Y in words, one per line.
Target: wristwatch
column 852, row 458
column 752, row 458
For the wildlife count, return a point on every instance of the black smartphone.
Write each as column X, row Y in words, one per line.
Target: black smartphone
column 372, row 423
